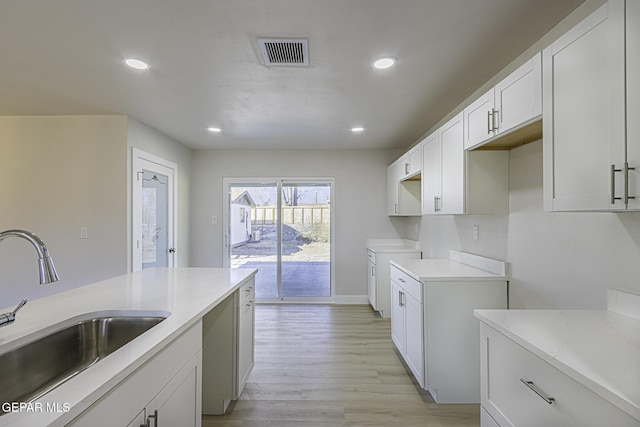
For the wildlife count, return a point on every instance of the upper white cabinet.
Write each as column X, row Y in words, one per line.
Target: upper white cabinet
column 591, row 156
column 411, row 163
column 455, row 181
column 632, row 26
column 511, row 104
column 403, row 188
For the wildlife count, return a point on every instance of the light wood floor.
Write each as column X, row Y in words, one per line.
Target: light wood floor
column 332, row 365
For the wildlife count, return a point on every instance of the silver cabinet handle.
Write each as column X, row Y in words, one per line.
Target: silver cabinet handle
column 537, row 391
column 489, row 121
column 626, row 183
column 400, row 298
column 613, row 184
column 373, row 270
column 406, row 168
column 436, row 203
column 494, row 119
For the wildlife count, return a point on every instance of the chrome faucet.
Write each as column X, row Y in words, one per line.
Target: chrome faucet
column 47, row 270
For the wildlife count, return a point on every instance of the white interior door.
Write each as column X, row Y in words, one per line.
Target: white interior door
column 153, row 209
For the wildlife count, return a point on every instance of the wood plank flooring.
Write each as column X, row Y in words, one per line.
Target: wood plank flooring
column 332, row 365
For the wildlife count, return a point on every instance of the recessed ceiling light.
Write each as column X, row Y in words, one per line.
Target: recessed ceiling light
column 357, row 129
column 136, row 63
column 214, row 129
column 383, row 63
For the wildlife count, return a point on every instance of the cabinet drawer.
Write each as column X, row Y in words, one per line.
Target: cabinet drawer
column 371, row 255
column 410, row 285
column 512, row 402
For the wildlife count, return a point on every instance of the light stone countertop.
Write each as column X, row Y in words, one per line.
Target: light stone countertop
column 598, row 349
column 186, row 293
column 459, row 266
column 392, row 245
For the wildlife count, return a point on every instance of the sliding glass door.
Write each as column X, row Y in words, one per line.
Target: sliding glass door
column 284, row 229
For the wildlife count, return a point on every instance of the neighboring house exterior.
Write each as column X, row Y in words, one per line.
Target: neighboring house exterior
column 240, row 218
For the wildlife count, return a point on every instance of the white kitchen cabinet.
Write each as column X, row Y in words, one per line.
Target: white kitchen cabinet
column 521, row 389
column 403, row 196
column 174, row 404
column 167, row 387
column 584, row 146
column 411, row 163
column 456, row 181
column 407, row 325
column 226, row 367
column 433, row 325
column 378, row 257
column 633, row 99
column 514, row 102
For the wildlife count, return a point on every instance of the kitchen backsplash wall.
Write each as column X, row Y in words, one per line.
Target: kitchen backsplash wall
column 558, row 260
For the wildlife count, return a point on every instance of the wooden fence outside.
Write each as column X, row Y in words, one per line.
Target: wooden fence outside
column 292, row 215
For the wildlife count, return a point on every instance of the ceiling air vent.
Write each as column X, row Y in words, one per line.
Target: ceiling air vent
column 285, row 52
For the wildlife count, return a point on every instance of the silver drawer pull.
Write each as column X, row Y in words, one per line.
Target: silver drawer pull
column 537, row 391
column 401, row 279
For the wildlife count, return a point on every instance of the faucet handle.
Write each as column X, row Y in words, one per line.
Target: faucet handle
column 22, row 303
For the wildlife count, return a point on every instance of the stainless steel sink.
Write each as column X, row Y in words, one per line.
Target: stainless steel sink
column 34, row 368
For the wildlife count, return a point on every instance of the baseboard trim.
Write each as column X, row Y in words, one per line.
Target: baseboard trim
column 352, row 299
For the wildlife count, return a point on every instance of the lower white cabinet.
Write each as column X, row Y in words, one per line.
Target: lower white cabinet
column 378, row 275
column 164, row 391
column 407, row 329
column 435, row 331
column 228, row 335
column 521, row 389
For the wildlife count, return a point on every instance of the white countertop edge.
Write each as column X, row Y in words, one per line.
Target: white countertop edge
column 393, row 245
column 610, row 396
column 90, row 385
column 444, row 270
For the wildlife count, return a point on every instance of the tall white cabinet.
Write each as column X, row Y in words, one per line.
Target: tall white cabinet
column 591, row 146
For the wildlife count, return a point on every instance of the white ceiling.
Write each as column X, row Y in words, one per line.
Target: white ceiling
column 65, row 57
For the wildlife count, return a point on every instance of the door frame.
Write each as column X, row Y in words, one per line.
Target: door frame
column 280, row 181
column 142, row 160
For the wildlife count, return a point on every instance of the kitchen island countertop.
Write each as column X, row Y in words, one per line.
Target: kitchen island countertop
column 186, row 293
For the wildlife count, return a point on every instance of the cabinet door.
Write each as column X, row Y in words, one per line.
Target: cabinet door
column 583, row 114
column 397, row 317
column 178, row 403
column 371, row 281
column 519, row 96
column 633, row 100
column 430, row 174
column 246, row 340
column 414, row 353
column 392, row 189
column 413, row 162
column 452, row 166
column 479, row 120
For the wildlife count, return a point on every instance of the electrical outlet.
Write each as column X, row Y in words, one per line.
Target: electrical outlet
column 84, row 233
column 476, row 232
column 214, row 220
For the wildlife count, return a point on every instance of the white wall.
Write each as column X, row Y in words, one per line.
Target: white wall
column 565, row 260
column 58, row 174
column 147, row 139
column 558, row 260
column 360, row 201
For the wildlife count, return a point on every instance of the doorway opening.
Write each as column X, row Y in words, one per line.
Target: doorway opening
column 284, row 228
